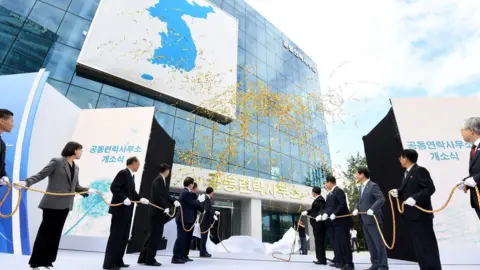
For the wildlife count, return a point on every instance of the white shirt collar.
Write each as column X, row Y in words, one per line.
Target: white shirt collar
column 333, row 188
column 208, row 196
column 477, row 142
column 131, row 172
column 365, row 183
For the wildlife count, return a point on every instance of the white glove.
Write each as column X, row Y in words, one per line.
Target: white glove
column 460, row 185
column 4, row 180
column 470, row 182
column 410, row 201
column 127, row 202
column 370, row 212
column 217, row 213
column 166, row 211
column 325, row 216
column 318, row 218
column 176, row 203
column 215, row 218
column 332, row 216
column 91, row 191
column 394, row 193
column 304, row 213
column 355, row 212
column 201, row 198
column 22, row 184
column 144, row 201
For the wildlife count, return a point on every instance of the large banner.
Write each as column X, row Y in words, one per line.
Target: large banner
column 432, row 126
column 182, row 50
column 27, row 89
column 109, row 138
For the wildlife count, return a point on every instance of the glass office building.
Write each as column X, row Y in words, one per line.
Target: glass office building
column 49, row 34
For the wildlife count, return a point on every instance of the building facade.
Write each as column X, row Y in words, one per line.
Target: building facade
column 50, row 33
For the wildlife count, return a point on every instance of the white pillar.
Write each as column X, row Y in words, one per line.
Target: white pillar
column 252, row 218
column 311, row 241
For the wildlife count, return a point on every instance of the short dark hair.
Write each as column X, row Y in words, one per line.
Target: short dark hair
column 410, row 154
column 317, row 190
column 331, row 179
column 131, row 160
column 209, row 190
column 70, row 148
column 364, row 171
column 5, row 114
column 195, row 185
column 188, row 181
column 164, row 167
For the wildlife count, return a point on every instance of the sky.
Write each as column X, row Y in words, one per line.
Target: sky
column 382, row 49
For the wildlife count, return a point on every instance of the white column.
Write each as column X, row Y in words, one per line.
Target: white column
column 252, row 218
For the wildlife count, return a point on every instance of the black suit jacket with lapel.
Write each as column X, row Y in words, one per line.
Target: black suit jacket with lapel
column 419, row 185
column 3, row 154
column 123, row 186
column 208, row 215
column 474, row 171
column 337, row 204
column 318, row 208
column 371, row 198
column 159, row 196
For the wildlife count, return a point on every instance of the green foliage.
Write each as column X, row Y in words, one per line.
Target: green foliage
column 352, row 190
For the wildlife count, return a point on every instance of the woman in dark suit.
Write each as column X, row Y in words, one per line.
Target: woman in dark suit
column 63, row 177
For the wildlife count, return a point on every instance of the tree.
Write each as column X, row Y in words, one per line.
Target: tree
column 352, row 189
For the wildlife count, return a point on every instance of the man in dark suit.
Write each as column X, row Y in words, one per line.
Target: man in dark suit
column 208, row 216
column 471, row 134
column 416, row 189
column 318, row 207
column 371, row 200
column 336, row 205
column 123, row 190
column 160, row 197
column 6, row 125
column 189, row 207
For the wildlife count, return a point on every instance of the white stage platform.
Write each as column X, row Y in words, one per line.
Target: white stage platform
column 76, row 260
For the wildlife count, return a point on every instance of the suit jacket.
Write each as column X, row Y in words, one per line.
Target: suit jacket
column 371, row 198
column 123, row 186
column 3, row 154
column 190, row 205
column 59, row 181
column 419, row 185
column 208, row 215
column 318, row 208
column 159, row 196
column 474, row 171
column 337, row 204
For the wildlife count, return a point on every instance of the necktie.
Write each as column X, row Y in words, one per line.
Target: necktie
column 361, row 190
column 472, row 152
column 405, row 175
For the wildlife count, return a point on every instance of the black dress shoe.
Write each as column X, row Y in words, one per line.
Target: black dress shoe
column 347, row 267
column 372, row 268
column 206, row 255
column 178, row 261
column 187, row 259
column 124, row 265
column 154, row 264
column 320, row 263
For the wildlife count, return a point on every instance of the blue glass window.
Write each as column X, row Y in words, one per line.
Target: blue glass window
column 242, row 39
column 237, row 156
column 285, row 143
column 221, row 142
column 263, row 134
column 86, row 83
column 73, row 30
column 185, row 115
column 236, row 169
column 166, row 122
column 275, row 164
column 110, row 102
column 251, row 156
column 286, row 167
column 228, row 8
column 241, row 58
column 264, row 160
column 183, row 134
column 61, row 61
column 22, row 7
column 203, row 141
column 46, row 16
column 251, row 45
column 164, row 107
column 262, row 71
column 59, row 86
column 251, row 27
column 297, row 171
column 251, row 173
column 140, row 100
column 83, row 98
column 84, row 8
column 115, row 92
column 63, row 4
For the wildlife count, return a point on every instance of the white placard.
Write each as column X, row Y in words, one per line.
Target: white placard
column 185, row 49
column 432, row 127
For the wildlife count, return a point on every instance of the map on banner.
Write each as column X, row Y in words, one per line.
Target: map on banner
column 182, row 51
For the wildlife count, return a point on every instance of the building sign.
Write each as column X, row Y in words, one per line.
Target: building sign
column 440, row 150
column 240, row 185
column 298, row 55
